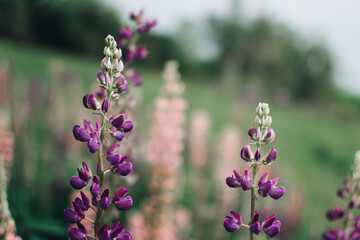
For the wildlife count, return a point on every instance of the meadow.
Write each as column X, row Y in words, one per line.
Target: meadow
column 316, row 141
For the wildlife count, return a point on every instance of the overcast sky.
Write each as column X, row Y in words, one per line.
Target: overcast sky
column 333, row 22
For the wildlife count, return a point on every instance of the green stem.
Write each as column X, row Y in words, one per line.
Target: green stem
column 253, row 187
column 101, row 175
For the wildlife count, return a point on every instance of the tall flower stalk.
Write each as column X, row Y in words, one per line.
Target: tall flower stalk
column 111, row 128
column 349, row 226
column 261, row 133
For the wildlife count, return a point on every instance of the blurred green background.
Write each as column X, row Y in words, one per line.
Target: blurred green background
column 53, row 50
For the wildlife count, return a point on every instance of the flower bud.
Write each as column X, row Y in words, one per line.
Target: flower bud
column 100, row 76
column 95, row 187
column 246, row 181
column 270, row 135
column 124, row 88
column 232, row 223
column 271, row 157
column 246, row 153
column 106, row 63
column 92, row 102
column 105, row 201
column 120, row 81
column 117, row 120
column 127, row 126
column 257, row 154
column 141, row 52
column 255, row 226
column 105, row 106
column 107, row 51
column 117, row 53
column 86, row 100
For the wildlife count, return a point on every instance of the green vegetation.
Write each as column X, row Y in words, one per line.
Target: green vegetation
column 316, row 145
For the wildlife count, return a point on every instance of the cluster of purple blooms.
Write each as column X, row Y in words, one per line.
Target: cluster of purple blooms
column 261, row 134
column 114, row 128
column 127, row 39
column 349, row 229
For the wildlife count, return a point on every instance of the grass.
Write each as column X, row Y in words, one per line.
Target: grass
column 315, row 146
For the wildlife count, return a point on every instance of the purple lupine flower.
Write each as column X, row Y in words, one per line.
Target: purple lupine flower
column 125, row 33
column 84, row 202
column 357, row 224
column 95, row 190
column 336, row 213
column 240, row 181
column 255, row 226
column 116, row 231
column 355, row 235
column 270, row 135
column 234, row 182
column 104, row 200
column 130, row 56
column 254, row 133
column 232, row 223
column 122, row 85
column 345, row 235
column 141, row 52
column 332, row 234
column 83, row 179
column 78, row 233
column 92, row 102
column 101, row 93
column 81, row 134
column 74, row 216
column 121, row 202
column 122, row 168
column 268, row 187
column 271, row 226
column 117, row 120
column 137, row 17
column 117, row 134
column 135, row 77
column 246, row 181
column 105, row 106
column 270, row 158
column 147, row 26
column 246, row 153
column 276, row 192
column 100, row 77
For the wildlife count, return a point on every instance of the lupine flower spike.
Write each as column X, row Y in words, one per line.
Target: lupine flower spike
column 110, row 79
column 349, row 228
column 261, row 133
column 127, row 40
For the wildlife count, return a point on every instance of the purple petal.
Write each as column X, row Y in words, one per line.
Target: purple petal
column 265, row 188
column 127, row 126
column 70, row 216
column 124, row 203
column 274, row 229
column 277, row 192
column 77, row 183
column 93, row 146
column 271, row 156
column 124, row 169
column 233, row 183
column 230, row 225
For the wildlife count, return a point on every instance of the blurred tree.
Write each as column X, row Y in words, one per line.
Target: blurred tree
column 78, row 26
column 272, row 56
